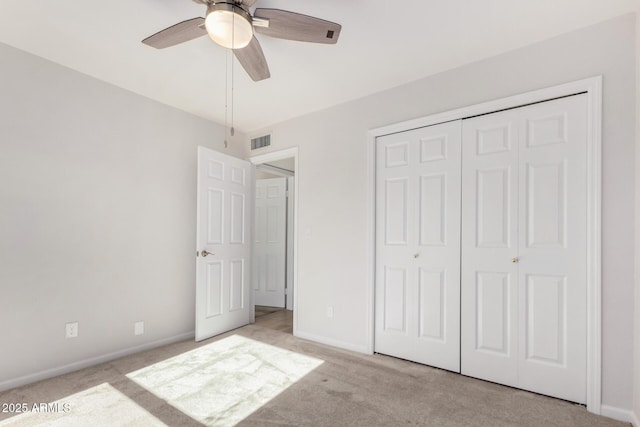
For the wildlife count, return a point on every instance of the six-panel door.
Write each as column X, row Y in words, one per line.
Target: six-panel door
column 270, row 246
column 225, row 203
column 417, row 248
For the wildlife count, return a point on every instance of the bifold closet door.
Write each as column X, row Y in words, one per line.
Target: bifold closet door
column 523, row 276
column 418, row 245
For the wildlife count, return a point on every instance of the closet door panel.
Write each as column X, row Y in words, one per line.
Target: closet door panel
column 489, row 300
column 418, row 245
column 524, row 248
column 552, row 248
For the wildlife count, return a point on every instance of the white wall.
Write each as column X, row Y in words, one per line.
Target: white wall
column 636, row 387
column 332, row 178
column 97, row 216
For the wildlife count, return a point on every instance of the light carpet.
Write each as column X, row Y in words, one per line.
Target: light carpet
column 219, row 384
column 224, row 382
column 166, row 386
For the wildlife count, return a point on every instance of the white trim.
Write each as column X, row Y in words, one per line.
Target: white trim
column 635, row 419
column 370, row 259
column 333, row 343
column 279, row 155
column 619, row 414
column 291, row 185
column 585, row 85
column 593, row 87
column 85, row 363
column 252, row 226
column 594, row 247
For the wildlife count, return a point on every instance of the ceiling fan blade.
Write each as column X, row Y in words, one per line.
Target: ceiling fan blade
column 295, row 26
column 253, row 61
column 176, row 34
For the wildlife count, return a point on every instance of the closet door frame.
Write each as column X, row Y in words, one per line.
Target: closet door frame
column 593, row 88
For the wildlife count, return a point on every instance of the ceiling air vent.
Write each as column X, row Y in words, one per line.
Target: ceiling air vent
column 261, row 141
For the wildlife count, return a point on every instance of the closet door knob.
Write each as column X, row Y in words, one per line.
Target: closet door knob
column 514, row 260
column 416, row 255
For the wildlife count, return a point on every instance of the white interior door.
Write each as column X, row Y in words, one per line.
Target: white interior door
column 418, row 245
column 524, row 248
column 225, row 208
column 270, row 246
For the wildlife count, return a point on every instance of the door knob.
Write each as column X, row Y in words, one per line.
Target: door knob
column 416, row 255
column 205, row 253
column 514, row 260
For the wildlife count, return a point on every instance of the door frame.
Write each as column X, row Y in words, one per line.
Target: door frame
column 593, row 88
column 269, row 157
column 290, row 245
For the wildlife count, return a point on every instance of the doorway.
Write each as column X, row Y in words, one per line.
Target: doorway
column 279, row 170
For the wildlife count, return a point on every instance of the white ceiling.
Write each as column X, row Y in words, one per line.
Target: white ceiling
column 383, row 44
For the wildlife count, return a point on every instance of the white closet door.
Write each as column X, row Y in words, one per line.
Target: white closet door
column 489, row 241
column 552, row 270
column 418, row 245
column 524, row 248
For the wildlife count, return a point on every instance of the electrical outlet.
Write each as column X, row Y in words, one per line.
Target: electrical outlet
column 71, row 330
column 138, row 328
column 330, row 312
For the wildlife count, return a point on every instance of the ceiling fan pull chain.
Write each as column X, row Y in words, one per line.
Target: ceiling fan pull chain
column 226, row 95
column 233, row 43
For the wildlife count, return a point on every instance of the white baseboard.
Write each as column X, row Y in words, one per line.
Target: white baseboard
column 333, row 343
column 81, row 364
column 635, row 419
column 619, row 414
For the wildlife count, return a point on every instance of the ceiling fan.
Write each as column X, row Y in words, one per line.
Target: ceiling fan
column 231, row 24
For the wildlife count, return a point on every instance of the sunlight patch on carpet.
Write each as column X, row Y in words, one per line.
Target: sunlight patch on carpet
column 222, row 383
column 101, row 405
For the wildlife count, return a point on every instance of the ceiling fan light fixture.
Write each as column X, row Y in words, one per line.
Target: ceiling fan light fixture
column 229, row 26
